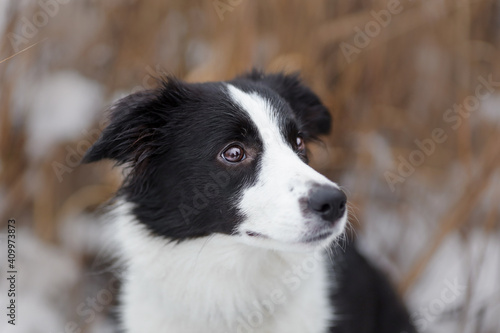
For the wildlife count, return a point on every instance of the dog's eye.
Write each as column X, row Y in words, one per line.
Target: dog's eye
column 299, row 143
column 234, row 154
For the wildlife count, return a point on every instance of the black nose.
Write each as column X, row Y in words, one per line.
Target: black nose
column 328, row 202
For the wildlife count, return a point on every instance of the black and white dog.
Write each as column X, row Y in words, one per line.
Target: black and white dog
column 222, row 224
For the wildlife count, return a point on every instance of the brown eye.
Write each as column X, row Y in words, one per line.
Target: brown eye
column 300, row 144
column 234, row 154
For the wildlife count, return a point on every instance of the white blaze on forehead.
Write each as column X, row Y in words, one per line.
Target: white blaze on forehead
column 261, row 112
column 271, row 206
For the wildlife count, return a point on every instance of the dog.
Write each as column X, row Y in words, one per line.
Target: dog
column 222, row 224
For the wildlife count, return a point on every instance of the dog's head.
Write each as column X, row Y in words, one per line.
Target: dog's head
column 226, row 157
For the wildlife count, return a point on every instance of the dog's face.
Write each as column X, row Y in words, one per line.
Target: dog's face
column 226, row 157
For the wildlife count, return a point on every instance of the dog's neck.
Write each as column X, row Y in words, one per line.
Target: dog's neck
column 215, row 284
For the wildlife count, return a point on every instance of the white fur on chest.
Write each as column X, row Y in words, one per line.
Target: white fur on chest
column 216, row 285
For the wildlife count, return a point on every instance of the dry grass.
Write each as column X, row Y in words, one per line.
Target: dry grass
column 398, row 88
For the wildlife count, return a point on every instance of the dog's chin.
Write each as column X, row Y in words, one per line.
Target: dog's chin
column 303, row 243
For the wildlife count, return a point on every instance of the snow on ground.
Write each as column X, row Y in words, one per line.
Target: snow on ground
column 463, row 275
column 49, row 276
column 460, row 264
column 55, row 290
column 81, row 234
column 59, row 108
column 44, row 280
column 490, row 109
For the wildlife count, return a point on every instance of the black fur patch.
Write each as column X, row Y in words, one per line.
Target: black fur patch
column 170, row 138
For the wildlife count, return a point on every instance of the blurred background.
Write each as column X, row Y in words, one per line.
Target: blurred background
column 413, row 87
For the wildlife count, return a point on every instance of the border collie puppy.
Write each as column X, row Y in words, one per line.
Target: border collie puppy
column 222, row 224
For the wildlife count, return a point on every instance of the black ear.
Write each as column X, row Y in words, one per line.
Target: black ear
column 306, row 104
column 138, row 125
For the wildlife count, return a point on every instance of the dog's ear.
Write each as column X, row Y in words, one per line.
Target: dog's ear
column 306, row 104
column 137, row 125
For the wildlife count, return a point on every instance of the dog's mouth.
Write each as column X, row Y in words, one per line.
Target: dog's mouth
column 318, row 237
column 306, row 240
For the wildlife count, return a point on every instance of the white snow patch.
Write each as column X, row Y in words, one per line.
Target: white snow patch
column 377, row 147
column 82, row 234
column 396, row 232
column 490, row 109
column 387, row 231
column 197, row 53
column 440, row 298
column 44, row 281
column 489, row 200
column 63, row 105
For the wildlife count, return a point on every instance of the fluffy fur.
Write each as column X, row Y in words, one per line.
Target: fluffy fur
column 222, row 224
